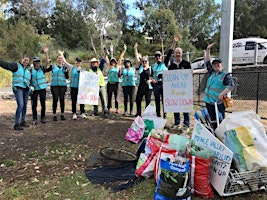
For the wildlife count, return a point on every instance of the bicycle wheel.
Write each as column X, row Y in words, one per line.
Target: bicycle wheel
column 115, row 154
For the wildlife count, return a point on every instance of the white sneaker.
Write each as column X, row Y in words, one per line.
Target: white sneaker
column 74, row 116
column 83, row 116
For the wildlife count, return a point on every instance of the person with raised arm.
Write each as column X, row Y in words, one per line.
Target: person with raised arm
column 143, row 81
column 218, row 85
column 114, row 74
column 21, row 77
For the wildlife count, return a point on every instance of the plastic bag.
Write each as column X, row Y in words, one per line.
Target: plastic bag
column 200, row 160
column 174, row 179
column 136, row 131
column 151, row 114
column 149, row 126
column 247, row 119
column 147, row 159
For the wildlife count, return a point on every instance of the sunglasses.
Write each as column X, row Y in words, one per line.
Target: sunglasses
column 144, row 61
column 157, row 55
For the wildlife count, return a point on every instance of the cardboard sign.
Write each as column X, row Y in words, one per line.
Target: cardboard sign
column 88, row 88
column 222, row 157
column 178, row 90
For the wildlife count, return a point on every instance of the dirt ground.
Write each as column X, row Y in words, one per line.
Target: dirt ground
column 61, row 145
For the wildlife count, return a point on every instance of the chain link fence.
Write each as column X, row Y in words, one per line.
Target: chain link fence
column 250, row 92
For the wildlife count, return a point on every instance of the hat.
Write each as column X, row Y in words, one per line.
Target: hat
column 93, row 60
column 113, row 60
column 78, row 60
column 158, row 53
column 127, row 60
column 36, row 59
column 216, row 60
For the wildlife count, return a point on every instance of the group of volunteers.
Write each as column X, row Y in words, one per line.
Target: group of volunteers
column 149, row 80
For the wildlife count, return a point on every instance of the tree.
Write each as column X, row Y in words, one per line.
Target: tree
column 197, row 19
column 67, row 26
column 250, row 18
column 18, row 40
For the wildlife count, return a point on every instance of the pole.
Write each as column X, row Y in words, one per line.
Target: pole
column 226, row 38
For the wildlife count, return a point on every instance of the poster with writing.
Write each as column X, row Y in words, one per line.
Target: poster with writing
column 88, row 92
column 222, row 156
column 178, row 90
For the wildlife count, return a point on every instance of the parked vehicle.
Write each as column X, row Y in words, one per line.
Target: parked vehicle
column 244, row 51
column 198, row 63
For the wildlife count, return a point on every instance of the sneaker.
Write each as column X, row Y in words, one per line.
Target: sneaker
column 74, row 116
column 175, row 127
column 23, row 124
column 17, row 127
column 117, row 111
column 55, row 118
column 125, row 113
column 34, row 122
column 83, row 116
column 43, row 120
column 62, row 117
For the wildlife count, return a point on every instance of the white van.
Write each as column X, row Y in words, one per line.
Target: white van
column 244, row 51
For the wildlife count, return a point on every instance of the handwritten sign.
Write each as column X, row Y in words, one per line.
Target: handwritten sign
column 222, row 156
column 88, row 92
column 178, row 90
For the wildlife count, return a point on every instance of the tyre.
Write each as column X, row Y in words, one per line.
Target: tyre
column 265, row 60
column 115, row 154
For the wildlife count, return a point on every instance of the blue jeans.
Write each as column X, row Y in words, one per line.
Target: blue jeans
column 22, row 95
column 186, row 119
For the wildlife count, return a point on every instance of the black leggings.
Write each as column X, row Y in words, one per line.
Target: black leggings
column 34, row 98
column 128, row 91
column 113, row 88
column 142, row 91
column 74, row 94
column 58, row 92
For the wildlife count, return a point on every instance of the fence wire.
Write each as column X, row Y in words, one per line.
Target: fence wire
column 250, row 92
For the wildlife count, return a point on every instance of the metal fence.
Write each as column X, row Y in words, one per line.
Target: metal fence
column 250, row 92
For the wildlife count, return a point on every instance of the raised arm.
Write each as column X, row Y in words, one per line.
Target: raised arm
column 207, row 55
column 137, row 56
column 176, row 39
column 47, row 59
column 119, row 64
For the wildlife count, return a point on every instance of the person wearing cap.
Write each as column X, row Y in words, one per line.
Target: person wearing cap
column 94, row 67
column 74, row 85
column 157, row 70
column 176, row 64
column 143, row 81
column 128, row 85
column 59, row 85
column 218, row 85
column 21, row 76
column 114, row 74
column 38, row 82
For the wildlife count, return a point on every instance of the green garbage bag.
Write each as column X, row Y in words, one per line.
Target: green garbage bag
column 149, row 126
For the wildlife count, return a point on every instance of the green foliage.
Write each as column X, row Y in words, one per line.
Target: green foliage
column 250, row 18
column 19, row 39
column 5, row 78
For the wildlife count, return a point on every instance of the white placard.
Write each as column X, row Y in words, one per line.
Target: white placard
column 222, row 157
column 178, row 90
column 88, row 88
